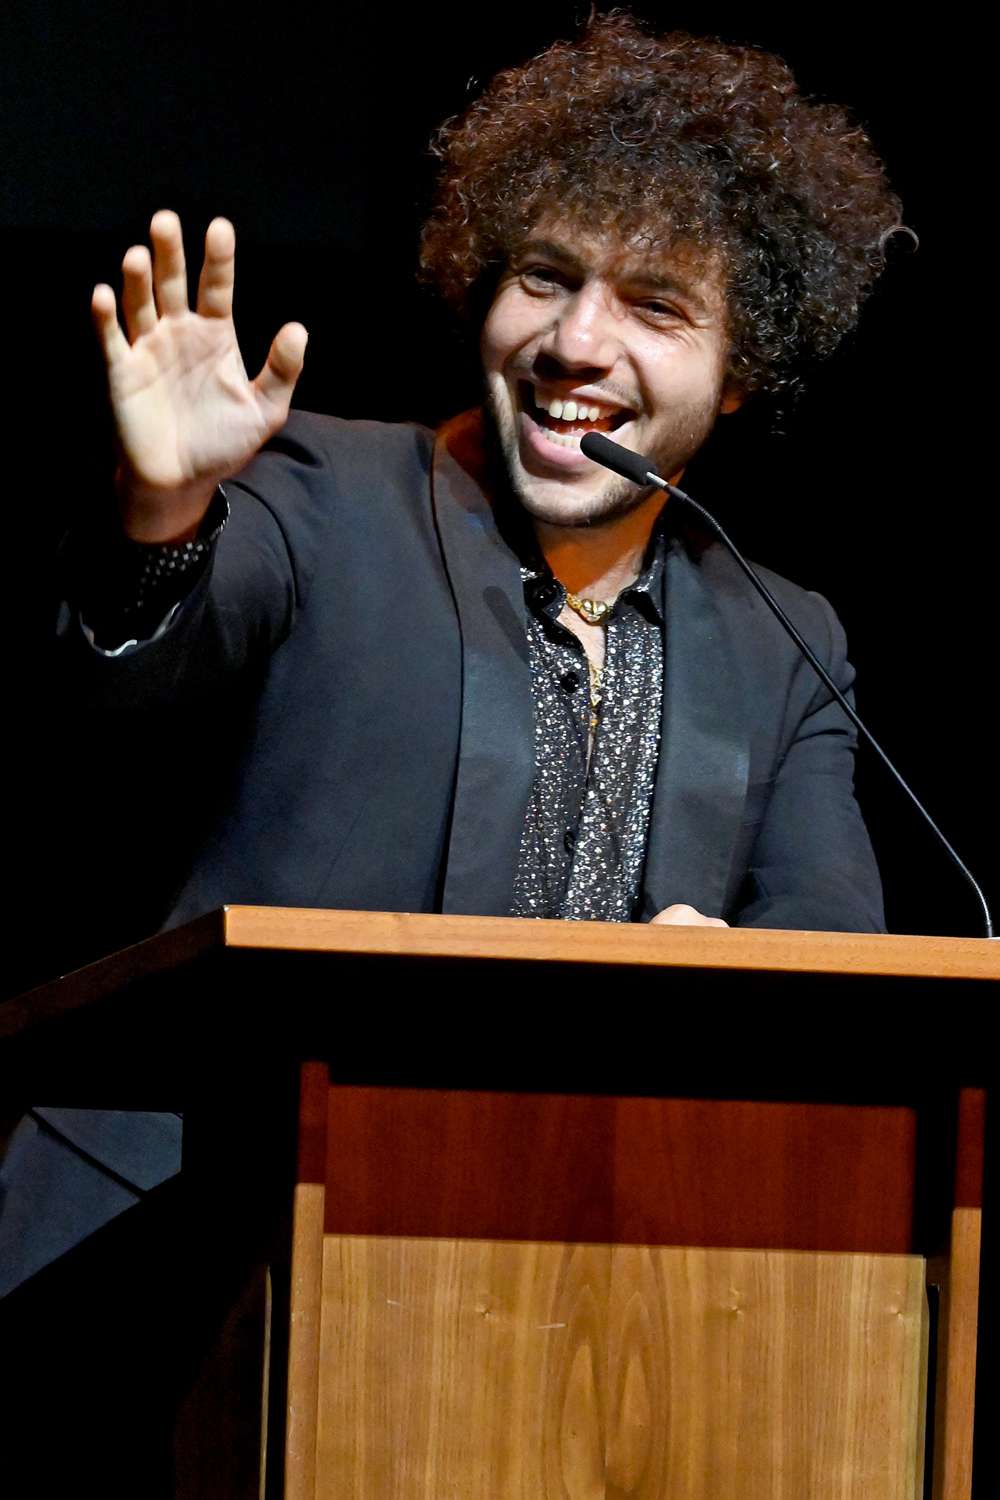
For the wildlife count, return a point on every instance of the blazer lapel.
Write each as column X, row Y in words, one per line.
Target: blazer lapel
column 496, row 759
column 701, row 776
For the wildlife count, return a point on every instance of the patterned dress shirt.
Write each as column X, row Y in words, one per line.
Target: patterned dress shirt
column 583, row 844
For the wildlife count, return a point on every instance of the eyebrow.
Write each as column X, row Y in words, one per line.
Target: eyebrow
column 649, row 281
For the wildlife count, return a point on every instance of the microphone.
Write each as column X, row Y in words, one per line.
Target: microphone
column 633, row 466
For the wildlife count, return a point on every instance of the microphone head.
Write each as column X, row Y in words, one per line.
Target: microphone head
column 613, row 456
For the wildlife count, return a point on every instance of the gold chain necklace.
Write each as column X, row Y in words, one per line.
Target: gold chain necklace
column 594, row 611
column 596, row 678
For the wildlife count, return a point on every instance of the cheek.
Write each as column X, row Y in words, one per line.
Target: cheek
column 508, row 327
column 494, row 339
column 488, row 347
column 692, row 382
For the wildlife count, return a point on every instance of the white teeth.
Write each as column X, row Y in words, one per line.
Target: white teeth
column 563, row 439
column 569, row 411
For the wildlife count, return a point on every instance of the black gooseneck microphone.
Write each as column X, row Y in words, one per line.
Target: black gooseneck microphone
column 633, row 466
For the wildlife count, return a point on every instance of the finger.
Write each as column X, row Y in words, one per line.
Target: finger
column 676, row 915
column 105, row 315
column 169, row 269
column 137, row 293
column 682, row 915
column 215, row 287
column 283, row 365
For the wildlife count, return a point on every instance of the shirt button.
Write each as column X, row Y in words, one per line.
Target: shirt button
column 569, row 840
column 569, row 682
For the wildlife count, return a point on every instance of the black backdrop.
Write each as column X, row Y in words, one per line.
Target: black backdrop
column 309, row 128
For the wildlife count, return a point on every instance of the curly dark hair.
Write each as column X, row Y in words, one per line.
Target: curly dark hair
column 677, row 142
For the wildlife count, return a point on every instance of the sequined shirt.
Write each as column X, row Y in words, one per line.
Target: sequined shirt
column 583, row 843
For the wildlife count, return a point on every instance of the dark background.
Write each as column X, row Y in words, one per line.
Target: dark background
column 308, row 127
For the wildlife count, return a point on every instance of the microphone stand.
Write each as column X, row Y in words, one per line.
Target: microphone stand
column 632, row 466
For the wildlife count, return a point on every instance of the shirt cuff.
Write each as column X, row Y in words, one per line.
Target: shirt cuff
column 146, row 583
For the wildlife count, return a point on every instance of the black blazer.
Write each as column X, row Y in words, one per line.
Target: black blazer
column 364, row 607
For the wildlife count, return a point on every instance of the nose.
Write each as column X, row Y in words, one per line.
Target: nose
column 583, row 336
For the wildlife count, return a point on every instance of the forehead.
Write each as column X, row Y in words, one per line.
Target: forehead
column 636, row 260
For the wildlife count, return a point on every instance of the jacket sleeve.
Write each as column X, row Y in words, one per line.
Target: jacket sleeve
column 244, row 602
column 812, row 866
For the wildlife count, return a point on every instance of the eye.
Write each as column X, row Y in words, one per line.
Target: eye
column 542, row 277
column 659, row 311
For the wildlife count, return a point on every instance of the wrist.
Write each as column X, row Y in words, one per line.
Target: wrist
column 162, row 517
column 127, row 592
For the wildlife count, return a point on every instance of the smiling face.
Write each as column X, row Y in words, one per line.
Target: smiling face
column 586, row 334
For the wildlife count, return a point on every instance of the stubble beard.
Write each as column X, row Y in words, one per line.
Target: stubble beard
column 617, row 497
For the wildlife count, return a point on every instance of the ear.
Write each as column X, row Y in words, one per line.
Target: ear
column 733, row 397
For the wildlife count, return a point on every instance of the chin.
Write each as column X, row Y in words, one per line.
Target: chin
column 554, row 500
column 555, row 503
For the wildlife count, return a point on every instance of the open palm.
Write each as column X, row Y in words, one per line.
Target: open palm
column 186, row 413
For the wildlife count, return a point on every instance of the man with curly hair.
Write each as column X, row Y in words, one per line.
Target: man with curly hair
column 484, row 674
column 472, row 671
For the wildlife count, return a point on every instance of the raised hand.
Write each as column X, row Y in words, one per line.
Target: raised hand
column 186, row 413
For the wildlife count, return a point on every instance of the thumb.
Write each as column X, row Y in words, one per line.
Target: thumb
column 283, row 365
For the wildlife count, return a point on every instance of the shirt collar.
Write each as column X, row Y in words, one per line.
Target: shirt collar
column 544, row 594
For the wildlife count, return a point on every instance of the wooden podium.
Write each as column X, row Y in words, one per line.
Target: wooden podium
column 512, row 1210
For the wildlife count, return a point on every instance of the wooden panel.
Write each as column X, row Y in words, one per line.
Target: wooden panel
column 765, row 1175
column 304, row 1339
column 311, row 1146
column 450, row 1162
column 503, row 1371
column 306, row 1282
column 970, row 1147
column 468, row 1368
column 658, row 1171
column 956, row 1392
column 775, row 1376
column 959, row 1319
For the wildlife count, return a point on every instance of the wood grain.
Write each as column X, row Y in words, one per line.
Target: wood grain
column 305, row 1308
column 757, row 1174
column 503, row 1371
column 459, row 1162
column 959, row 1317
column 970, row 1148
column 957, row 1340
column 709, row 1172
column 469, row 1368
column 410, row 934
column 304, row 1341
column 499, row 940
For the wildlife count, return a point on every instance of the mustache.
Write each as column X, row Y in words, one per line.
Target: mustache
column 616, row 394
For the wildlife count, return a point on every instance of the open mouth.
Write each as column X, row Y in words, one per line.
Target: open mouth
column 564, row 422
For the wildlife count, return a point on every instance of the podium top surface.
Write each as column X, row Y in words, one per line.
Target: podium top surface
column 416, row 935
column 506, row 940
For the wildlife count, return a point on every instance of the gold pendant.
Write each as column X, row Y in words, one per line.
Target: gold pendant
column 594, row 611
